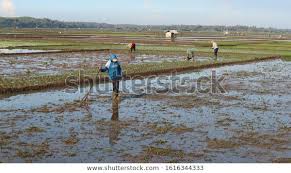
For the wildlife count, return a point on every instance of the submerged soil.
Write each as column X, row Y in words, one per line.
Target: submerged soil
column 249, row 123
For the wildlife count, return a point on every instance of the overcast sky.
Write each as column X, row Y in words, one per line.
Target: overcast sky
column 266, row 13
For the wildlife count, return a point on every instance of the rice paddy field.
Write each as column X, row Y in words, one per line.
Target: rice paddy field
column 43, row 120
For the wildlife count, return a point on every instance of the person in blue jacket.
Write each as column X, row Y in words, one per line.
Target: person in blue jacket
column 113, row 68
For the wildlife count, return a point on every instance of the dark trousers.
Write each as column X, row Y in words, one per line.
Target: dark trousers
column 132, row 49
column 216, row 52
column 115, row 85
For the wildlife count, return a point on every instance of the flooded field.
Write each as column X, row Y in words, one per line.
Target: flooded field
column 20, row 51
column 251, row 122
column 50, row 64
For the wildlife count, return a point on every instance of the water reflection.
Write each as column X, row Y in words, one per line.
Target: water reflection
column 115, row 106
column 114, row 132
column 132, row 57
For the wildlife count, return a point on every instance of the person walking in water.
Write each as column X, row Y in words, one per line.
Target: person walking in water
column 113, row 68
column 215, row 48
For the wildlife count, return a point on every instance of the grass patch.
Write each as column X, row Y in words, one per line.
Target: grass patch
column 182, row 129
column 4, row 139
column 71, row 141
column 35, row 44
column 32, row 151
column 167, row 128
column 220, row 144
column 164, row 152
column 34, row 130
column 282, row 160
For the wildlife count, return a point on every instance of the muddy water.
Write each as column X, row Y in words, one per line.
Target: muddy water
column 51, row 64
column 249, row 123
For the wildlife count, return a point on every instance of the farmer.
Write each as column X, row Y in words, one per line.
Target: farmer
column 191, row 54
column 113, row 68
column 132, row 47
column 215, row 48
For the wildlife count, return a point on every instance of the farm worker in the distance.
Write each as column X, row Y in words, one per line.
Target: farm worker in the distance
column 215, row 48
column 113, row 68
column 191, row 54
column 132, row 46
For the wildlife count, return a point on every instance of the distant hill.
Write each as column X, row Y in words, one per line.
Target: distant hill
column 29, row 22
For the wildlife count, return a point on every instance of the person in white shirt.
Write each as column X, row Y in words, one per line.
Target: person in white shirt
column 215, row 48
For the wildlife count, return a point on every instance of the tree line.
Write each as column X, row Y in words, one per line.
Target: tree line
column 29, row 22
